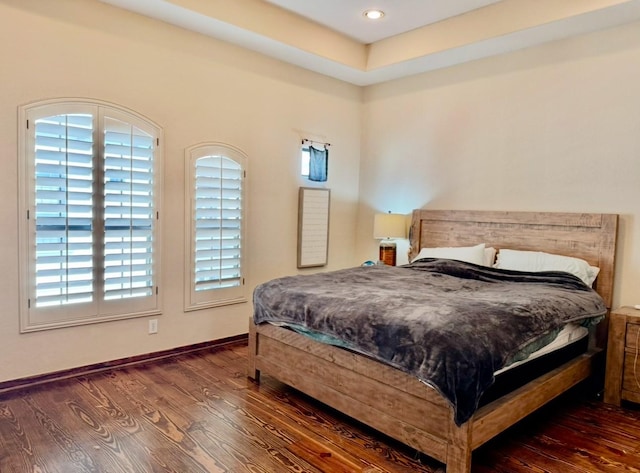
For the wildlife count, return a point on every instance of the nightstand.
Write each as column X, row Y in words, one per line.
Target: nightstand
column 622, row 378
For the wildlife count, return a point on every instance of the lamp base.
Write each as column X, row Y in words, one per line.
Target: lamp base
column 388, row 253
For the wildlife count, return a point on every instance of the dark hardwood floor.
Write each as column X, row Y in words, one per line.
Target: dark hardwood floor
column 199, row 413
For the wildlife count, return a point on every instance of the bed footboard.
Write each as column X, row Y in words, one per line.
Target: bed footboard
column 395, row 403
column 377, row 395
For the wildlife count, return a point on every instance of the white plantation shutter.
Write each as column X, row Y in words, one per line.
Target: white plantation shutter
column 128, row 211
column 218, row 223
column 216, row 226
column 63, row 209
column 89, row 174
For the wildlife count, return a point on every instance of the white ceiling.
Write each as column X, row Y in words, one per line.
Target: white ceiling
column 347, row 16
column 333, row 38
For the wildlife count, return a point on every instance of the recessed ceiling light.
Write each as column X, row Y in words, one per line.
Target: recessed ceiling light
column 374, row 14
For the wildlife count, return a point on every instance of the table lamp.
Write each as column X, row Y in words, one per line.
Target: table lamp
column 385, row 227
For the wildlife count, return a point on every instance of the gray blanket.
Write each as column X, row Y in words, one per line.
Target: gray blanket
column 449, row 323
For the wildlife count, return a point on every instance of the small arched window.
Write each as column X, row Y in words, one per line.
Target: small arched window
column 215, row 226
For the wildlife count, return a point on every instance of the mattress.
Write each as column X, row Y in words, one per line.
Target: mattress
column 572, row 341
column 569, row 333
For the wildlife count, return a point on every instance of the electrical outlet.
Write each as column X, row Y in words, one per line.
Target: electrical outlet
column 153, row 326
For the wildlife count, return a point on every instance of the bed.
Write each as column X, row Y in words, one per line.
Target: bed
column 399, row 404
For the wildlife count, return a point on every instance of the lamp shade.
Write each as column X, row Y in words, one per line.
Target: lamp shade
column 389, row 226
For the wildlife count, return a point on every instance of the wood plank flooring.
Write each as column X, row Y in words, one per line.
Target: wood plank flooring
column 199, row 413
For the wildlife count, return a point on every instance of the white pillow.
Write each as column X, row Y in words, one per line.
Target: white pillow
column 470, row 254
column 535, row 261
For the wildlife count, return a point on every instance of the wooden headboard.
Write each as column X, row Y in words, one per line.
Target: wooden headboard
column 591, row 237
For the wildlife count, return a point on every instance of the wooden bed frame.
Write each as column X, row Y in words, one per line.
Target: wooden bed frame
column 398, row 404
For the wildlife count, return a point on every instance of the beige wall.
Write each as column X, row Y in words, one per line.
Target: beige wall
column 198, row 89
column 551, row 128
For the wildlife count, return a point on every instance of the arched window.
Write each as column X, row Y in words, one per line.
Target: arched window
column 215, row 227
column 90, row 183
